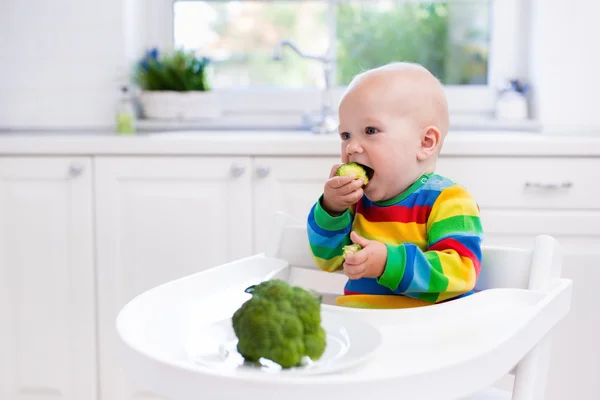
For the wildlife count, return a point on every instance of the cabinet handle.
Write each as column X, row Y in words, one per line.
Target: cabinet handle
column 548, row 186
column 263, row 172
column 237, row 170
column 75, row 170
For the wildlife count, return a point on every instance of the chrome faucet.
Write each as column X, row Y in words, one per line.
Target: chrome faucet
column 326, row 121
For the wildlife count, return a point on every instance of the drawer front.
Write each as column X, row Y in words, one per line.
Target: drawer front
column 566, row 223
column 527, row 183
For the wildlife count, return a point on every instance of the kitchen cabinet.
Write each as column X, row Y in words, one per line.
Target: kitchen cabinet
column 288, row 184
column 149, row 208
column 47, row 291
column 575, row 362
column 524, row 197
column 575, row 359
column 154, row 218
column 159, row 219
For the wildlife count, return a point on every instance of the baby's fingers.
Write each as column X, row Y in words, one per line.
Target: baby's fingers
column 354, row 196
column 357, row 258
column 351, row 187
column 338, row 181
column 354, row 271
column 333, row 170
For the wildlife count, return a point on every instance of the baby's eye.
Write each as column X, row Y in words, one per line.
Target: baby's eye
column 345, row 135
column 371, row 131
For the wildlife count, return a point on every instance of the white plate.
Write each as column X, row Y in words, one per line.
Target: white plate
column 350, row 342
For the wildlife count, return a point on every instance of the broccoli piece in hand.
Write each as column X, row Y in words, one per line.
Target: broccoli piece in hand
column 281, row 323
column 353, row 168
column 351, row 249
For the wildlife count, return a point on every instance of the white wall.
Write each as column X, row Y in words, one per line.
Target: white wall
column 565, row 65
column 146, row 26
column 62, row 61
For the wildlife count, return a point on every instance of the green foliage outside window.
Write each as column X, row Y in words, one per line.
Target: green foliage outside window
column 369, row 37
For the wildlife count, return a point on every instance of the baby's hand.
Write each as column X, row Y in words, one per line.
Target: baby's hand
column 368, row 262
column 341, row 192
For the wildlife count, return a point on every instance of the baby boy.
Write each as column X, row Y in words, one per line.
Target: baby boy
column 420, row 232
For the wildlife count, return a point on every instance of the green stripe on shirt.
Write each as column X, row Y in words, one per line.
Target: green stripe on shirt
column 394, row 266
column 439, row 284
column 458, row 223
column 325, row 221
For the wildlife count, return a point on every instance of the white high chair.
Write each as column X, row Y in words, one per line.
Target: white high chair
column 453, row 350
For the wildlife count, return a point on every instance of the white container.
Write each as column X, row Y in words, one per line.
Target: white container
column 171, row 105
column 511, row 106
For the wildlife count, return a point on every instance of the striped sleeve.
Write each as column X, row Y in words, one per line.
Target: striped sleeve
column 450, row 265
column 327, row 235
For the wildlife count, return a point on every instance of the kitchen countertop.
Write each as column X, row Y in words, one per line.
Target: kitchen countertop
column 485, row 143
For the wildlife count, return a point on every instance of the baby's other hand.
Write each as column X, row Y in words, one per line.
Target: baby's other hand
column 341, row 192
column 368, row 262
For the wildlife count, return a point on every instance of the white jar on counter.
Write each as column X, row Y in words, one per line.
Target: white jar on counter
column 511, row 105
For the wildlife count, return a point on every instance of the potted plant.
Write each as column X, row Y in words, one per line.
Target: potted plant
column 175, row 86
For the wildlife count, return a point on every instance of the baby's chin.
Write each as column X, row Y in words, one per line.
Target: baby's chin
column 376, row 199
column 374, row 195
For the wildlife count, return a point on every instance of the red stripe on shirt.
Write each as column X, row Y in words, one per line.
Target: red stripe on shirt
column 450, row 243
column 418, row 214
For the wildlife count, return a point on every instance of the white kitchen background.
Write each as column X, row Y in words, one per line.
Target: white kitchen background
column 89, row 219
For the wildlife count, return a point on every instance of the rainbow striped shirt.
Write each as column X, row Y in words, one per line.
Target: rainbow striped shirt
column 432, row 232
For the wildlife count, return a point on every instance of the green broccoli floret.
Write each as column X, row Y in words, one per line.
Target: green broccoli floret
column 351, row 249
column 281, row 323
column 353, row 168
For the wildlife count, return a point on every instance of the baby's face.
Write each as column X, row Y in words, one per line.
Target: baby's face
column 377, row 134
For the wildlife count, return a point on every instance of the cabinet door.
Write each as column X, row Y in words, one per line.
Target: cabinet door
column 288, row 184
column 575, row 362
column 47, row 315
column 160, row 219
column 575, row 359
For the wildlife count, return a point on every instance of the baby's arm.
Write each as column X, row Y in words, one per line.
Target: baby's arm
column 450, row 265
column 328, row 235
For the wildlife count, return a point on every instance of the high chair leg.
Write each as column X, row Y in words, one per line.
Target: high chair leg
column 531, row 372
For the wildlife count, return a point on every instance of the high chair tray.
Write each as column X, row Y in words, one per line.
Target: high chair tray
column 442, row 351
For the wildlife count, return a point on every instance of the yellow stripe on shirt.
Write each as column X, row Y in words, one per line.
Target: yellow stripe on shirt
column 394, row 233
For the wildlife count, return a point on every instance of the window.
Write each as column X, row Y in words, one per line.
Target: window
column 451, row 39
column 468, row 44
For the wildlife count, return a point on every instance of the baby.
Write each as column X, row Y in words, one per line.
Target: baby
column 420, row 232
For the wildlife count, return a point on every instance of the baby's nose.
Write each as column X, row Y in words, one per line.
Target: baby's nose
column 354, row 147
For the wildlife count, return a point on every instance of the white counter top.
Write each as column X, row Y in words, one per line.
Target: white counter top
column 279, row 143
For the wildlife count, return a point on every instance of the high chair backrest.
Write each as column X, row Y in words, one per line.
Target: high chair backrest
column 502, row 267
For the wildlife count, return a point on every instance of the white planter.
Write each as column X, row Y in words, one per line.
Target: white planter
column 169, row 105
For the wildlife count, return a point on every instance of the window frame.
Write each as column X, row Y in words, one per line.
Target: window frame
column 508, row 59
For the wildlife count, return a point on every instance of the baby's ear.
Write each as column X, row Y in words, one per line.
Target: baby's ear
column 430, row 141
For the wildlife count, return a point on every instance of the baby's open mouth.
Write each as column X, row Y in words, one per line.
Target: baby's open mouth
column 370, row 172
